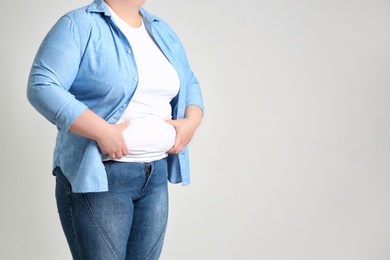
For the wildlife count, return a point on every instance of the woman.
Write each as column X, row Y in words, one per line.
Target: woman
column 115, row 81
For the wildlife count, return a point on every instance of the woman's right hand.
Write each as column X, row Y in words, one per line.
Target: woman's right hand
column 111, row 141
column 108, row 136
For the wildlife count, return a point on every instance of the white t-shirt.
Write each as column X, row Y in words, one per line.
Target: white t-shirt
column 148, row 137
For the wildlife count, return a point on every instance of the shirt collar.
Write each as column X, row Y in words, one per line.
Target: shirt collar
column 98, row 6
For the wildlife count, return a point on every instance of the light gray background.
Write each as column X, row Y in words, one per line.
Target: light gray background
column 292, row 160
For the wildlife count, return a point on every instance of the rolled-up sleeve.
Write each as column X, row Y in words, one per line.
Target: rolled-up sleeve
column 193, row 90
column 194, row 93
column 52, row 74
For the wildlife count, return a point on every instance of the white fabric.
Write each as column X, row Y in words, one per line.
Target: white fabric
column 148, row 136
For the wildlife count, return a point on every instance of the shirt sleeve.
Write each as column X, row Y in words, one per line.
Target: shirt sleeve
column 52, row 74
column 194, row 93
column 193, row 90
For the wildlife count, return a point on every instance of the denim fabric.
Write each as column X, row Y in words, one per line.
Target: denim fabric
column 127, row 222
column 85, row 61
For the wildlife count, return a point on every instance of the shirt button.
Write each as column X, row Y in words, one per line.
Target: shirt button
column 135, row 79
column 128, row 51
column 124, row 105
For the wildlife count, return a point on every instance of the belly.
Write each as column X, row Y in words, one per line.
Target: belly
column 148, row 137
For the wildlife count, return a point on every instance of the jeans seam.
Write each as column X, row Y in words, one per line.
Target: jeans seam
column 71, row 220
column 165, row 225
column 158, row 241
column 101, row 229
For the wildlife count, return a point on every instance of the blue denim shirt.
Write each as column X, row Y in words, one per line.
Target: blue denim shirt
column 85, row 61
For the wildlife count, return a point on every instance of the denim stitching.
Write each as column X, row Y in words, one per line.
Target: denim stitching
column 99, row 226
column 158, row 241
column 148, row 256
column 73, row 227
column 146, row 182
column 70, row 212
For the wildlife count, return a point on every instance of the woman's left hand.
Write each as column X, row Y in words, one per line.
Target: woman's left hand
column 185, row 128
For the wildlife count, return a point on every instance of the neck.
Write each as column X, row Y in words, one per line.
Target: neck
column 127, row 10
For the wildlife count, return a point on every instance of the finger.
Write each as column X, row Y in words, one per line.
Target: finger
column 175, row 149
column 171, row 122
column 172, row 151
column 118, row 155
column 122, row 126
column 125, row 151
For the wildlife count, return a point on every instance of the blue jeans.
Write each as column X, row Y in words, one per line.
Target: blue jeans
column 127, row 222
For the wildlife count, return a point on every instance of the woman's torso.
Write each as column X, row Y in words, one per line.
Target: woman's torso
column 148, row 137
